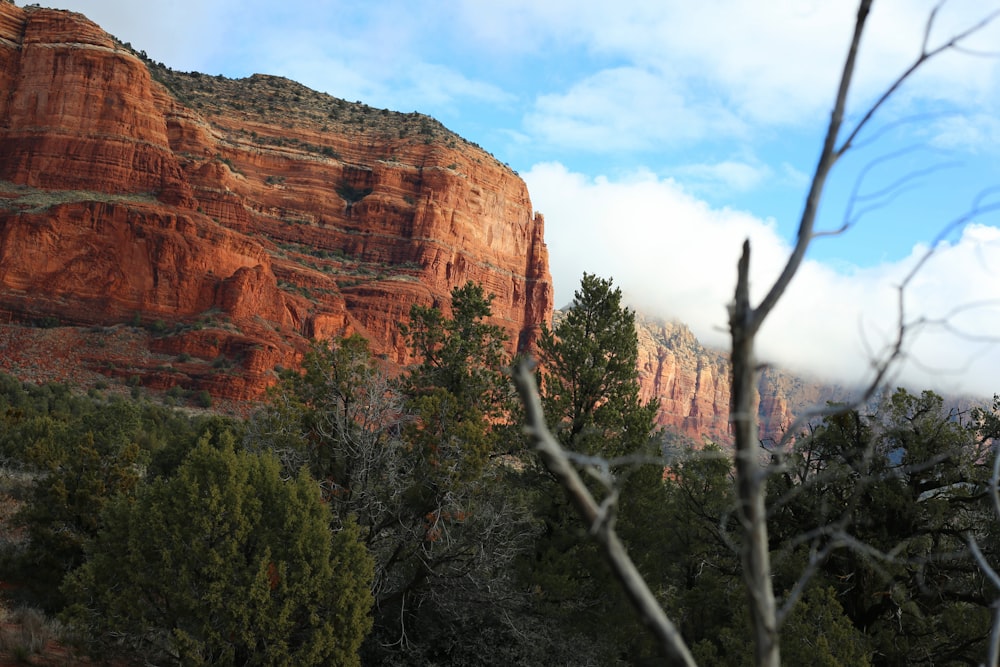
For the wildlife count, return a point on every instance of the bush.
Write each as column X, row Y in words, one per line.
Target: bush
column 27, row 631
column 83, row 463
column 158, row 327
column 226, row 563
column 203, row 399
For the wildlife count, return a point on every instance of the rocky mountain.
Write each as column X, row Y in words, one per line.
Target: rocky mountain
column 185, row 230
column 192, row 233
column 692, row 384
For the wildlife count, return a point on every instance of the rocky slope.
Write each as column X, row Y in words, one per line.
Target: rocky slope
column 692, row 385
column 224, row 223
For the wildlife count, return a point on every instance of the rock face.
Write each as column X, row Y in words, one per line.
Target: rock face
column 234, row 220
column 692, row 386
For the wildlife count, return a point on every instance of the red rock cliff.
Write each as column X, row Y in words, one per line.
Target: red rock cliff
column 236, row 219
column 691, row 385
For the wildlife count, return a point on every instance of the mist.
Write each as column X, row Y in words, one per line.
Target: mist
column 674, row 256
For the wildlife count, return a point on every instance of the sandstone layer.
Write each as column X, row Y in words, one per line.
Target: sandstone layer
column 691, row 385
column 235, row 220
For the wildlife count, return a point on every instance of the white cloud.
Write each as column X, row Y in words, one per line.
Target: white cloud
column 629, row 75
column 183, row 34
column 442, row 86
column 793, row 177
column 974, row 133
column 413, row 85
column 514, row 28
column 642, row 76
column 686, row 70
column 726, row 176
column 626, row 109
column 675, row 256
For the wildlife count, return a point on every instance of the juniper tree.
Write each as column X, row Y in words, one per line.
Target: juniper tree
column 225, row 562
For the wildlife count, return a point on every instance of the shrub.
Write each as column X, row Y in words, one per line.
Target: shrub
column 227, row 563
column 203, row 399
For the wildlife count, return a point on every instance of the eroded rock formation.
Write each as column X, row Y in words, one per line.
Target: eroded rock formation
column 692, row 386
column 191, row 231
column 236, row 219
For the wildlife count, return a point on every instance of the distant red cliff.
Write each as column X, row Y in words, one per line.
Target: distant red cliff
column 692, row 386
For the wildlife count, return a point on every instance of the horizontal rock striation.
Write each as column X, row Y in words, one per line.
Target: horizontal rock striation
column 691, row 385
column 237, row 219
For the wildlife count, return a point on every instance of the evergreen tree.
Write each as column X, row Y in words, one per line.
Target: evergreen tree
column 416, row 462
column 81, row 450
column 589, row 374
column 703, row 583
column 453, row 581
column 83, row 463
column 463, row 354
column 226, row 563
column 590, row 391
column 907, row 482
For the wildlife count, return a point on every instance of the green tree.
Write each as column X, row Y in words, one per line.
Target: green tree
column 701, row 572
column 462, row 354
column 454, row 580
column 702, row 580
column 589, row 375
column 83, row 463
column 226, row 563
column 590, row 390
column 80, row 450
column 907, row 484
column 416, row 461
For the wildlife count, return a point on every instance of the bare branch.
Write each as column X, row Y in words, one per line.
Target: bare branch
column 828, row 157
column 816, row 559
column 924, row 56
column 884, row 196
column 881, row 367
column 993, row 653
column 983, row 564
column 995, row 485
column 977, row 209
column 831, row 152
column 745, row 321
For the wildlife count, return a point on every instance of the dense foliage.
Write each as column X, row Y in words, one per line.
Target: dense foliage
column 226, row 563
column 363, row 518
column 590, row 391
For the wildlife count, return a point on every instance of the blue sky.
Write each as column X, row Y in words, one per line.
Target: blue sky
column 655, row 135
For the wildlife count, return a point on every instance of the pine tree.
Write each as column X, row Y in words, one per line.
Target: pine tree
column 908, row 481
column 589, row 374
column 415, row 460
column 83, row 464
column 590, row 391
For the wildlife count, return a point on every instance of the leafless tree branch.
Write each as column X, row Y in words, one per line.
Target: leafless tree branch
column 745, row 321
column 925, row 55
column 993, row 652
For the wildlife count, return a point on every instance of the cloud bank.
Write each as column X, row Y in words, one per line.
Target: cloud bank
column 675, row 256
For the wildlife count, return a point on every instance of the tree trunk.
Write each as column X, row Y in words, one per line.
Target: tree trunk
column 750, row 478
